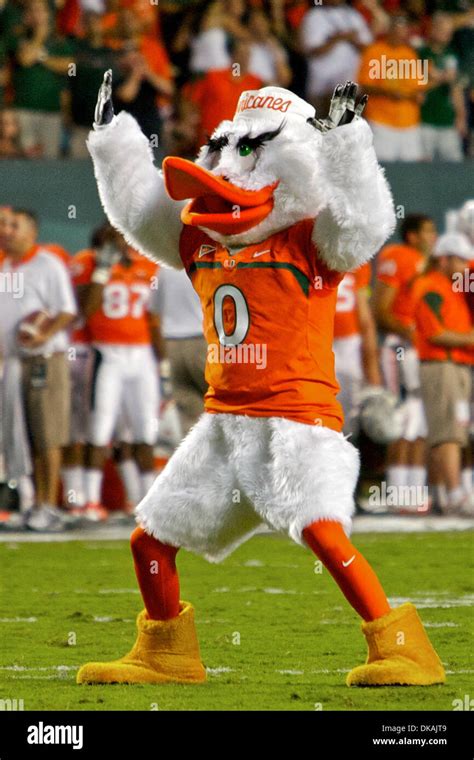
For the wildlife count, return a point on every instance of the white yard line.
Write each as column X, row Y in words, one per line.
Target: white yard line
column 25, row 668
column 19, row 620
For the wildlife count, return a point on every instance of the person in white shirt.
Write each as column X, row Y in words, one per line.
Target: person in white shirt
column 35, row 280
column 332, row 37
column 177, row 306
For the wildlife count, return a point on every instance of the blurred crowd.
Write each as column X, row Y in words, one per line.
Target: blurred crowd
column 103, row 360
column 180, row 65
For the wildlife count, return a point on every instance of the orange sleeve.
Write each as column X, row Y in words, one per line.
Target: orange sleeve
column 156, row 58
column 363, row 276
column 390, row 269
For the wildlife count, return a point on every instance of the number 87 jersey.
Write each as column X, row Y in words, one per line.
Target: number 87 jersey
column 268, row 320
column 122, row 316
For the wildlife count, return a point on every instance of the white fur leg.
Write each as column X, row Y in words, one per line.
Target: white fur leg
column 232, row 474
column 192, row 503
column 132, row 190
column 310, row 473
column 359, row 214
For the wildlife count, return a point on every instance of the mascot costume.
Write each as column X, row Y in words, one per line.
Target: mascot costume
column 276, row 208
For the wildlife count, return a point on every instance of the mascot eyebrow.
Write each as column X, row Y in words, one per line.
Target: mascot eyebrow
column 215, row 144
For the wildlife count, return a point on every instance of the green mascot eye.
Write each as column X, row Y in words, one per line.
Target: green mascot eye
column 245, row 150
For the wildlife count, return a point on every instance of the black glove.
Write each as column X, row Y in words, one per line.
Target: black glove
column 104, row 110
column 343, row 108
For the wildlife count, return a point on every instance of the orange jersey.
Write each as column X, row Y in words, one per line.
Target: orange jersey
column 268, row 321
column 378, row 61
column 397, row 266
column 123, row 316
column 346, row 321
column 437, row 308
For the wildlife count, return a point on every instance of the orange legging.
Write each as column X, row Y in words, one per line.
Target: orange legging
column 155, row 567
column 348, row 567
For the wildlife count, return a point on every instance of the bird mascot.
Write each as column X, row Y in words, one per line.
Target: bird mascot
column 276, row 208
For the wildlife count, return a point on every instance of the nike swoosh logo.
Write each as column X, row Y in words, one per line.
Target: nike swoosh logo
column 260, row 253
column 349, row 561
column 205, row 249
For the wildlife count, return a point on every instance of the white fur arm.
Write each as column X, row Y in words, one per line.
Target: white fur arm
column 358, row 215
column 132, row 190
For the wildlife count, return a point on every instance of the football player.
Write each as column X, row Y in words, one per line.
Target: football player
column 113, row 285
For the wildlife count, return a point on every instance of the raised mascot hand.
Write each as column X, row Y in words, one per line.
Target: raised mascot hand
column 104, row 109
column 343, row 108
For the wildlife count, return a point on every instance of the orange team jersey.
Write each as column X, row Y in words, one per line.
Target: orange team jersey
column 375, row 69
column 397, row 267
column 268, row 321
column 122, row 317
column 346, row 322
column 437, row 308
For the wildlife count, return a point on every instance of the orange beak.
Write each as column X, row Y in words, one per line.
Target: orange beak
column 216, row 203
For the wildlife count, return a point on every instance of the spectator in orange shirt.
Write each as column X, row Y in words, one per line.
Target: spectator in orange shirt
column 445, row 343
column 395, row 78
column 216, row 95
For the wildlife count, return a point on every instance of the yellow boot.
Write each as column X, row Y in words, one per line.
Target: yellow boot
column 165, row 651
column 400, row 652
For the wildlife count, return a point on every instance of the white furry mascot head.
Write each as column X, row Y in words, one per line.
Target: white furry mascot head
column 253, row 177
column 270, row 167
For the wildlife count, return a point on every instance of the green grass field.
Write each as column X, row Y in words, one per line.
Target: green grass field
column 274, row 634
